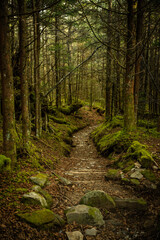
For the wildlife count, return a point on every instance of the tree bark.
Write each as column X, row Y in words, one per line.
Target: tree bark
column 9, row 132
column 108, row 89
column 129, row 116
column 139, row 32
column 23, row 76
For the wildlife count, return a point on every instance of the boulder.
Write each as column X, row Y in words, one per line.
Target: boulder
column 34, row 198
column 113, row 174
column 63, row 180
column 98, row 198
column 42, row 218
column 76, row 235
column 91, row 232
column 5, row 163
column 137, row 175
column 131, row 204
column 39, row 179
column 85, row 215
column 45, row 194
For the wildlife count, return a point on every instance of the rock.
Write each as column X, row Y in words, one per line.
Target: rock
column 76, row 235
column 40, row 179
column 131, row 204
column 137, row 175
column 5, row 163
column 135, row 181
column 45, row 194
column 91, row 232
column 63, row 180
column 42, row 218
column 34, row 198
column 98, row 198
column 113, row 174
column 85, row 215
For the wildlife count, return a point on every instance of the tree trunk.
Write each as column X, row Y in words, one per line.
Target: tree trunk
column 36, row 68
column 139, row 32
column 23, row 76
column 9, row 132
column 108, row 69
column 129, row 116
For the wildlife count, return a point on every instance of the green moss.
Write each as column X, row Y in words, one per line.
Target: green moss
column 116, row 142
column 149, row 175
column 125, row 180
column 5, row 163
column 21, row 190
column 57, row 120
column 138, row 152
column 112, row 174
column 135, row 181
column 141, row 201
column 41, row 218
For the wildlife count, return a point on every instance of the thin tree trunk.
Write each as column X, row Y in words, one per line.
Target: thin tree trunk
column 36, row 69
column 23, row 76
column 139, row 32
column 129, row 116
column 108, row 69
column 9, row 132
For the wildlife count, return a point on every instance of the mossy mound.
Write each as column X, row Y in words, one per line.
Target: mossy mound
column 115, row 142
column 138, row 152
column 42, row 218
column 103, row 129
column 67, row 110
column 5, row 163
column 149, row 175
column 113, row 174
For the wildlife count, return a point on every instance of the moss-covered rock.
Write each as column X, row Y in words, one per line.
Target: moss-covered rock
column 45, row 194
column 116, row 142
column 42, row 218
column 35, row 199
column 149, row 175
column 113, row 174
column 133, row 204
column 86, row 215
column 135, row 182
column 138, row 152
column 5, row 163
column 40, row 179
column 67, row 110
column 97, row 198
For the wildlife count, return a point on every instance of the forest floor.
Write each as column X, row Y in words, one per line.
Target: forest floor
column 86, row 169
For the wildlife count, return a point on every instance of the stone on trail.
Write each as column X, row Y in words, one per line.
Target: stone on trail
column 137, row 175
column 35, row 198
column 42, row 218
column 85, row 215
column 132, row 204
column 99, row 199
column 45, row 194
column 40, row 179
column 63, row 180
column 76, row 235
column 91, row 232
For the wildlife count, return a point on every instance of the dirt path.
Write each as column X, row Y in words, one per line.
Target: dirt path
column 86, row 169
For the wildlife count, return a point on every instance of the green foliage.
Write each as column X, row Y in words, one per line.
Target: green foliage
column 67, row 110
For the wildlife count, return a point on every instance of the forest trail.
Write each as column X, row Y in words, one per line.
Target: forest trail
column 86, row 170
